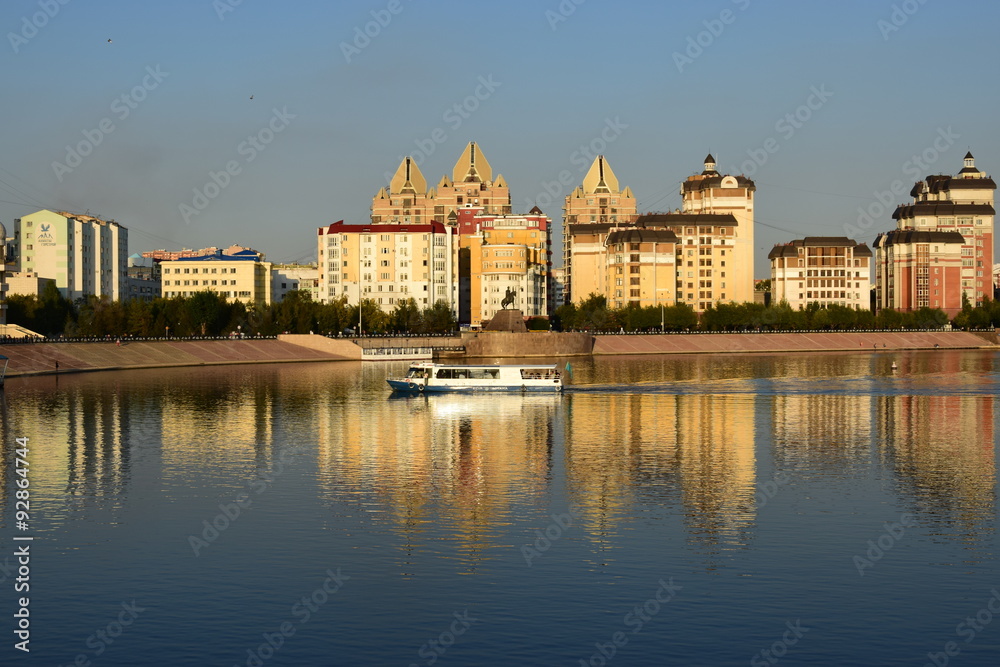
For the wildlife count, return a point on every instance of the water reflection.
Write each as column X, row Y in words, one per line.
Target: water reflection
column 642, row 439
column 941, row 450
column 692, row 452
column 444, row 468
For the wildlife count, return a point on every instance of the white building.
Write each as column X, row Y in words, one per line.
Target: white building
column 83, row 254
column 821, row 269
column 288, row 277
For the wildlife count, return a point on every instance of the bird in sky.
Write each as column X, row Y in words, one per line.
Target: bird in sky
column 109, row 41
column 251, row 97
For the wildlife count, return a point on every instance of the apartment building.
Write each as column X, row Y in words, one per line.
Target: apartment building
column 84, row 255
column 243, row 276
column 914, row 262
column 821, row 269
column 387, row 263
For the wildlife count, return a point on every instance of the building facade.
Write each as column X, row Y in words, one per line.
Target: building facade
column 84, row 255
column 917, row 269
column 388, row 263
column 143, row 280
column 915, row 263
column 640, row 267
column 288, row 277
column 821, row 269
column 599, row 200
column 720, row 195
column 498, row 253
column 243, row 276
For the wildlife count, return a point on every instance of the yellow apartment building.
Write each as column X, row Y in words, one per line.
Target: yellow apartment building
column 599, row 200
column 388, row 263
column 498, row 253
column 243, row 276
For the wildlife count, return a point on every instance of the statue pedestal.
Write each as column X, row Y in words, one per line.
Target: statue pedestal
column 507, row 320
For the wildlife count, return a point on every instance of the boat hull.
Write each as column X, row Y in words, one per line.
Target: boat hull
column 419, row 388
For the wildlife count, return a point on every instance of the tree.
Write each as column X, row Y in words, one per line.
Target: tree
column 439, row 318
column 406, row 317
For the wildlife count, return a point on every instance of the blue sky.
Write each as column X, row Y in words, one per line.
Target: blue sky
column 868, row 86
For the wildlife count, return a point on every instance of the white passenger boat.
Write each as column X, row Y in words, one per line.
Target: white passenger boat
column 436, row 378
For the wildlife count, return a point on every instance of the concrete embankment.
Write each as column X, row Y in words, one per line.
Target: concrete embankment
column 839, row 341
column 41, row 358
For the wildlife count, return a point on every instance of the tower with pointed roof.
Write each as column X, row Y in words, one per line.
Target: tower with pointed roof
column 408, row 199
column 599, row 200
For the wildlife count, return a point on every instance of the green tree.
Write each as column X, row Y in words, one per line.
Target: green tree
column 406, row 317
column 439, row 318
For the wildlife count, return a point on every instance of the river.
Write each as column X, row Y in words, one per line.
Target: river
column 694, row 510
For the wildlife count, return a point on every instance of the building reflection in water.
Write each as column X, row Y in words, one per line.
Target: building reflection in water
column 695, row 452
column 941, row 449
column 449, row 475
column 820, row 434
column 445, row 471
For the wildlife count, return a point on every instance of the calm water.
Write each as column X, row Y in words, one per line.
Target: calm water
column 664, row 511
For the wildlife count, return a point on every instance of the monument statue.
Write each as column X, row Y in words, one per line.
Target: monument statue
column 508, row 300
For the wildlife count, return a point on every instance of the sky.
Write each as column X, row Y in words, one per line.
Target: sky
column 200, row 123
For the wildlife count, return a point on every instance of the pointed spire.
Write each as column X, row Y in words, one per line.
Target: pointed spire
column 472, row 167
column 969, row 170
column 445, row 182
column 408, row 179
column 709, row 166
column 381, row 194
column 600, row 179
column 500, row 182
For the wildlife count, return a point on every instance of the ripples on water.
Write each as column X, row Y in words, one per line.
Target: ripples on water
column 754, row 484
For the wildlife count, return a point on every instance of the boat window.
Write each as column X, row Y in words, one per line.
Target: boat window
column 493, row 372
column 444, row 373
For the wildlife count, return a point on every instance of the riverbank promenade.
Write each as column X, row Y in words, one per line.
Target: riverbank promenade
column 66, row 357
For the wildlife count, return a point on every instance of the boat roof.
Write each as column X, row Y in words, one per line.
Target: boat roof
column 429, row 364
